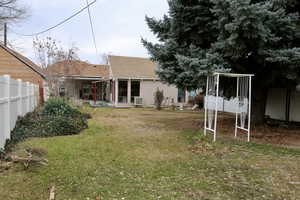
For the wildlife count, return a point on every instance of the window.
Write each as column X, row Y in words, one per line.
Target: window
column 135, row 90
column 86, row 91
column 122, row 98
column 62, row 91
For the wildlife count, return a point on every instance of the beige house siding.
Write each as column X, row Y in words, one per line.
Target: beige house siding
column 148, row 88
column 16, row 69
column 72, row 87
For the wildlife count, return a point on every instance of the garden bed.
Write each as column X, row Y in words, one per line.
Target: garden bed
column 55, row 118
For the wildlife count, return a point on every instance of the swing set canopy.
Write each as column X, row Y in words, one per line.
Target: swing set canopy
column 232, row 75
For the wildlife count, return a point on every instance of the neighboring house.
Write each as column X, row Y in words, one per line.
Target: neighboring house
column 135, row 77
column 20, row 67
column 77, row 79
column 119, row 82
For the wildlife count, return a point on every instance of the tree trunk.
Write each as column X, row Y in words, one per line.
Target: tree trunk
column 288, row 104
column 259, row 102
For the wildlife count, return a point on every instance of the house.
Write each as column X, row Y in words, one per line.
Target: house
column 132, row 77
column 119, row 82
column 77, row 79
column 20, row 67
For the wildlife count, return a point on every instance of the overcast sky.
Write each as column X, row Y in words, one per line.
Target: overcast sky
column 119, row 26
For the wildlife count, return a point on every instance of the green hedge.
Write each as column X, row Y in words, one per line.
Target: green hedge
column 56, row 117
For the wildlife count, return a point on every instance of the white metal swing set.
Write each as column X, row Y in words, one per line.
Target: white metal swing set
column 241, row 105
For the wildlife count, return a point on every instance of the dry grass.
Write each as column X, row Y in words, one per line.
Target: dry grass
column 146, row 154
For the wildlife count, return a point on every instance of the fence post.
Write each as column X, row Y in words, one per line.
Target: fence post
column 36, row 95
column 27, row 98
column 19, row 97
column 7, row 107
column 32, row 97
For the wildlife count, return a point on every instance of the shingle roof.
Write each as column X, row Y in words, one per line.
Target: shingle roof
column 79, row 68
column 25, row 60
column 132, row 67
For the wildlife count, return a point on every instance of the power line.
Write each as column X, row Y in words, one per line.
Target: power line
column 60, row 23
column 92, row 27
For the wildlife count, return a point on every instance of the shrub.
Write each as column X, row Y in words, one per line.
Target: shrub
column 58, row 106
column 57, row 126
column 158, row 98
column 56, row 118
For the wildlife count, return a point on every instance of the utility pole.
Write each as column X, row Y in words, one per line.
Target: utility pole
column 5, row 34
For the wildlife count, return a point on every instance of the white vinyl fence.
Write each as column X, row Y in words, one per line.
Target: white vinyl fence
column 16, row 99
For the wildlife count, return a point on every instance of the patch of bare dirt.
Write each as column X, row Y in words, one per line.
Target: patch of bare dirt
column 281, row 136
column 149, row 121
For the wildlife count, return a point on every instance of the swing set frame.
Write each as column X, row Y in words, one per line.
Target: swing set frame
column 215, row 80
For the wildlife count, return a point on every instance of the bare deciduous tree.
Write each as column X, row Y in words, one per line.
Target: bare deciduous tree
column 11, row 11
column 48, row 51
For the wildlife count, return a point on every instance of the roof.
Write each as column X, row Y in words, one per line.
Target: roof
column 79, row 68
column 25, row 61
column 132, row 67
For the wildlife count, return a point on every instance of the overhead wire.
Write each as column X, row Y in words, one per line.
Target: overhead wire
column 58, row 24
column 92, row 27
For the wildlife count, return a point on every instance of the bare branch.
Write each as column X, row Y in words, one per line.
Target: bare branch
column 12, row 11
column 47, row 53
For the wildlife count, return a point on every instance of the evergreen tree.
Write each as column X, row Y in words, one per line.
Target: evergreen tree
column 198, row 37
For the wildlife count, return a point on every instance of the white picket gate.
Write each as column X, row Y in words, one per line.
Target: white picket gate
column 17, row 98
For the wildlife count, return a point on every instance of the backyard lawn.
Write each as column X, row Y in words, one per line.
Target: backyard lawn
column 146, row 154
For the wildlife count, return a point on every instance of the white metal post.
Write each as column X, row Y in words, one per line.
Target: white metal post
column 216, row 111
column 205, row 106
column 7, row 108
column 116, row 92
column 129, row 91
column 110, row 91
column 237, row 106
column 249, row 111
